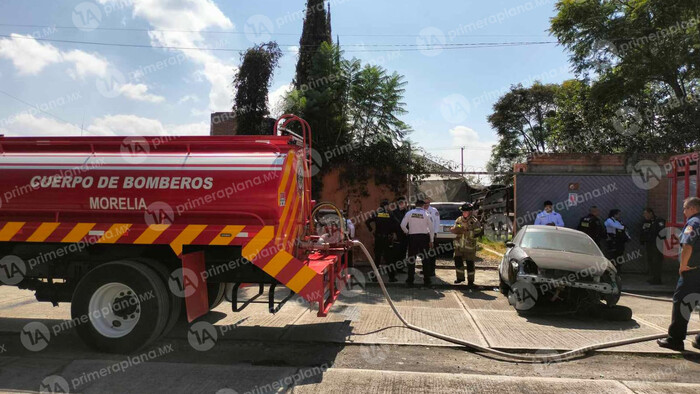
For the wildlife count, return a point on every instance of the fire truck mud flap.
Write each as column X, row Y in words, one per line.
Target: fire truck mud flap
column 120, row 307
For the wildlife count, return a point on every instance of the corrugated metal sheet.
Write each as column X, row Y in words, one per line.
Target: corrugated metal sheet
column 605, row 191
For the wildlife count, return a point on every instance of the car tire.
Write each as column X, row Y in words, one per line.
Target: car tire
column 216, row 293
column 503, row 286
column 612, row 299
column 141, row 318
column 617, row 313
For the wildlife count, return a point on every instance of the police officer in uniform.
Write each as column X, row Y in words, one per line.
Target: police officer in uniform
column 384, row 236
column 548, row 217
column 467, row 228
column 401, row 243
column 617, row 237
column 688, row 287
column 435, row 217
column 419, row 227
column 651, row 231
column 593, row 226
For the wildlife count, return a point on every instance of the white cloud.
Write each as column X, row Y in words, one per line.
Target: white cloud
column 476, row 153
column 30, row 57
column 139, row 92
column 187, row 98
column 274, row 99
column 127, row 125
column 294, row 49
column 190, row 15
column 25, row 124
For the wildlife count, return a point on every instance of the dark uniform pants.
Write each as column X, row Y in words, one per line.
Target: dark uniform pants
column 418, row 244
column 614, row 250
column 383, row 254
column 688, row 283
column 400, row 249
column 654, row 259
column 471, row 269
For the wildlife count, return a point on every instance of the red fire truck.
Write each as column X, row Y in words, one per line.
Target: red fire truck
column 125, row 229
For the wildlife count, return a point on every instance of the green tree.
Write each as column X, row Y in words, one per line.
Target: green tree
column 315, row 32
column 252, row 82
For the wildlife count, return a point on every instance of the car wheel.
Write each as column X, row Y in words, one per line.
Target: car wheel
column 612, row 299
column 503, row 286
column 124, row 305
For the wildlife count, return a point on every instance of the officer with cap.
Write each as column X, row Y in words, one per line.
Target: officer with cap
column 384, row 236
column 421, row 233
column 652, row 228
column 685, row 299
column 468, row 229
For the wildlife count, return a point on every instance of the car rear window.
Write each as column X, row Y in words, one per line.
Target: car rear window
column 559, row 240
column 448, row 212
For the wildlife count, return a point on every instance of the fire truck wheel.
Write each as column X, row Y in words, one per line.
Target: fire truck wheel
column 217, row 291
column 120, row 307
column 176, row 304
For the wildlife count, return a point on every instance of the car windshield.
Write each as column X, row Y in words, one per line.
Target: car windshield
column 448, row 211
column 559, row 240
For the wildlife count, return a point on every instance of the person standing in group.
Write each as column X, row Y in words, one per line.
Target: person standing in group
column 419, row 227
column 593, row 226
column 685, row 298
column 617, row 237
column 401, row 244
column 548, row 217
column 384, row 236
column 432, row 254
column 652, row 229
column 468, row 229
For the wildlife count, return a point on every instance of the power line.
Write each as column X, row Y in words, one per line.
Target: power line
column 426, row 48
column 37, row 108
column 240, row 32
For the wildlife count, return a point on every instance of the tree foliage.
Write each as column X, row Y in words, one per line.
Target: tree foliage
column 315, row 32
column 251, row 83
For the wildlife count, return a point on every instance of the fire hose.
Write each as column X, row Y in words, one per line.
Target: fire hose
column 566, row 356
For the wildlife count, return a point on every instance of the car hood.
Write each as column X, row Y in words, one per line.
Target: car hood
column 567, row 261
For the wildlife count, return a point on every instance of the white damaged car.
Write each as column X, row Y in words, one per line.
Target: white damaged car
column 558, row 265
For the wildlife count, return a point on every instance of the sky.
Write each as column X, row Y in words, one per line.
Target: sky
column 68, row 88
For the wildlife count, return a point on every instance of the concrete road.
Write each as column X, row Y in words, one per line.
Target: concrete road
column 359, row 347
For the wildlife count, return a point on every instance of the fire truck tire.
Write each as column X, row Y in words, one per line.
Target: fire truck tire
column 176, row 303
column 124, row 306
column 217, row 292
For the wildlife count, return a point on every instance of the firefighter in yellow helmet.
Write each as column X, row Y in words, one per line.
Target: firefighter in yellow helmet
column 468, row 229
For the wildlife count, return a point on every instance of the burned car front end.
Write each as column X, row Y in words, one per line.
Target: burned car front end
column 553, row 264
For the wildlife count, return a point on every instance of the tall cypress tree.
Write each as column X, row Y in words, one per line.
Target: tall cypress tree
column 317, row 30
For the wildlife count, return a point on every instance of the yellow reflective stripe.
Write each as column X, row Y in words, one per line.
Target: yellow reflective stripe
column 9, row 230
column 292, row 220
column 255, row 245
column 277, row 263
column 285, row 210
column 42, row 232
column 151, row 234
column 232, row 231
column 114, row 233
column 300, row 280
column 78, row 232
column 285, row 173
column 186, row 236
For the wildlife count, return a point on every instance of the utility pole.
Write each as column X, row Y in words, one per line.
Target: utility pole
column 462, row 148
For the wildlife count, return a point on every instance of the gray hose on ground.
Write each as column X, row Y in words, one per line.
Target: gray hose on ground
column 566, row 356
